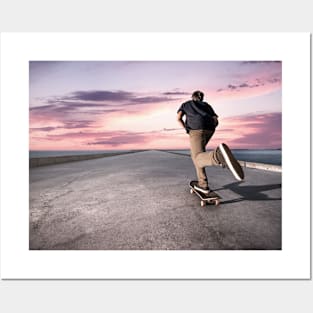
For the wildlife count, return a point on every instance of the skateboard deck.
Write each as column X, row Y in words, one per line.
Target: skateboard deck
column 211, row 198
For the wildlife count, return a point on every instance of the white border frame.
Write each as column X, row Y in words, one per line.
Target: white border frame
column 17, row 262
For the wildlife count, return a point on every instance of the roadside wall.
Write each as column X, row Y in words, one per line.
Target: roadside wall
column 42, row 161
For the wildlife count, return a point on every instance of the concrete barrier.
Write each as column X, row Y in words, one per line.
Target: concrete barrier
column 43, row 161
column 261, row 166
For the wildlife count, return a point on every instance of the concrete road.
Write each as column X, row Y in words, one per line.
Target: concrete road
column 142, row 201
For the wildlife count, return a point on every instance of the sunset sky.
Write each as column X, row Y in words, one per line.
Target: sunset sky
column 115, row 105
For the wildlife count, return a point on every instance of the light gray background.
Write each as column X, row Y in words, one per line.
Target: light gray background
column 149, row 16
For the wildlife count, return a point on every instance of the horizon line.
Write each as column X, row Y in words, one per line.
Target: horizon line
column 262, row 148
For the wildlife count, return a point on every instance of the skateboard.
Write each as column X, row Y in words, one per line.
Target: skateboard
column 211, row 198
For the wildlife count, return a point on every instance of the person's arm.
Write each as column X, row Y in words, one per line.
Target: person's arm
column 180, row 120
column 214, row 115
column 215, row 118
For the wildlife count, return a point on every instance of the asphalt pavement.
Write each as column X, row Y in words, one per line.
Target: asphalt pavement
column 141, row 201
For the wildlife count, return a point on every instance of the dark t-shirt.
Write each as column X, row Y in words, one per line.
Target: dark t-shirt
column 199, row 115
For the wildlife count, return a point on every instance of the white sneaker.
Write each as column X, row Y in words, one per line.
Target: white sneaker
column 226, row 158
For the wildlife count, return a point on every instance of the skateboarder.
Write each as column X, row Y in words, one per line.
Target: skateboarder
column 200, row 124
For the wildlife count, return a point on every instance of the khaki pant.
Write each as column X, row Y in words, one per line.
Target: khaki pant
column 201, row 159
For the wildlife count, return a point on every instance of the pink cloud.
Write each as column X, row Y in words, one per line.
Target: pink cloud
column 112, row 140
column 247, row 88
column 253, row 79
column 248, row 131
column 143, row 122
column 251, row 131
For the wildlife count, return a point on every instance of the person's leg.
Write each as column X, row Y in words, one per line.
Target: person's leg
column 204, row 158
column 197, row 146
column 222, row 155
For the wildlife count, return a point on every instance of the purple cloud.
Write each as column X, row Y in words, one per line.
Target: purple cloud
column 259, row 62
column 77, row 124
column 100, row 95
column 170, row 129
column 44, row 129
column 66, row 125
column 176, row 93
column 151, row 99
column 106, row 138
column 232, row 87
column 259, row 82
column 111, row 138
column 263, row 130
column 63, row 110
column 274, row 80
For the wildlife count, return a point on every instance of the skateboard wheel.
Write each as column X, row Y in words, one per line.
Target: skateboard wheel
column 202, row 203
column 191, row 191
column 217, row 202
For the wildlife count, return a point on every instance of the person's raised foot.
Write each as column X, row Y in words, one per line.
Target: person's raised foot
column 227, row 159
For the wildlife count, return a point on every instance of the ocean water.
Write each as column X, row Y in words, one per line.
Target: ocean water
column 267, row 156
column 259, row 156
